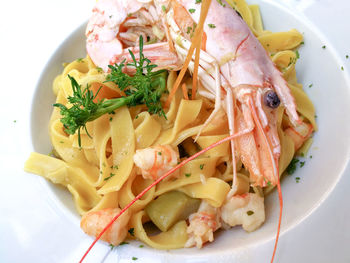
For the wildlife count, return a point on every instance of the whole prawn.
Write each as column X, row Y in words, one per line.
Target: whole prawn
column 232, row 66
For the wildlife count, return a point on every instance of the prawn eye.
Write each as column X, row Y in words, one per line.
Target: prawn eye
column 271, row 99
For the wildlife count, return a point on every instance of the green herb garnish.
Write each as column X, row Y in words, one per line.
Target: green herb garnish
column 201, row 166
column 112, row 246
column 109, row 177
column 192, row 10
column 292, row 166
column 302, row 164
column 163, row 8
column 250, row 212
column 187, row 175
column 211, row 26
column 141, row 246
column 123, row 243
column 221, row 3
column 134, row 258
column 297, row 54
column 324, row 47
column 80, row 60
column 198, row 1
column 144, row 87
column 297, row 179
column 311, row 85
column 131, row 231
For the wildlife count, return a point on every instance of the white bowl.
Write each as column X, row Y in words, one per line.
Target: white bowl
column 330, row 151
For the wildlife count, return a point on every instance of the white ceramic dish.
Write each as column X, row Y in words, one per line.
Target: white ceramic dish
column 319, row 176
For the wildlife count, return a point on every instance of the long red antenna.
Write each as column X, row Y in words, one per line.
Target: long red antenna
column 275, row 169
column 228, row 138
column 279, row 219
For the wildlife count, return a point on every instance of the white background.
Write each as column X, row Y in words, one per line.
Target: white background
column 30, row 31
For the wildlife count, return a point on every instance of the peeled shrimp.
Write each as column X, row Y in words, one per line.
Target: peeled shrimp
column 299, row 134
column 155, row 161
column 114, row 29
column 202, row 226
column 247, row 210
column 94, row 222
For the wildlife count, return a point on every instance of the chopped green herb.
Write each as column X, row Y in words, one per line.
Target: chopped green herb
column 342, row 68
column 189, row 29
column 187, row 175
column 99, row 70
column 324, row 47
column 137, row 116
column 191, row 10
column 302, row 43
column 292, row 166
column 250, row 212
column 112, row 246
column 347, row 56
column 123, row 243
column 109, row 177
column 61, row 141
column 211, row 26
column 129, row 15
column 297, row 54
column 110, row 119
column 14, row 121
column 131, row 231
column 110, row 16
column 269, row 183
column 302, row 154
column 201, row 166
column 221, row 3
column 310, row 156
column 198, row 1
column 80, row 60
column 302, row 164
column 141, row 246
column 297, row 179
column 310, row 86
column 267, row 44
column 292, row 61
column 159, row 153
column 163, row 8
column 134, row 258
column 51, row 154
column 114, row 167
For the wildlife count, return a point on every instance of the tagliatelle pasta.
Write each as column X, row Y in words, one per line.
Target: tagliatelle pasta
column 98, row 164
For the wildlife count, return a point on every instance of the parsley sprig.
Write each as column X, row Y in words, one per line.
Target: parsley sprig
column 144, row 87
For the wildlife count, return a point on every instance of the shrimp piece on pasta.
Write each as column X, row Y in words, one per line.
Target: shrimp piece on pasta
column 202, row 226
column 114, row 29
column 94, row 222
column 247, row 210
column 155, row 161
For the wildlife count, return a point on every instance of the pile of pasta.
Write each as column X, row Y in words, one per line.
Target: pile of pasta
column 101, row 173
